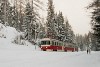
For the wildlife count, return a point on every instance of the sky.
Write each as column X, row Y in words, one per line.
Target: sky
column 76, row 13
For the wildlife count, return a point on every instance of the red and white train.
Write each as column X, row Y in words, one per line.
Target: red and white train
column 55, row 45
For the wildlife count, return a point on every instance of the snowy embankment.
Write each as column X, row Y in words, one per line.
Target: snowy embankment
column 7, row 37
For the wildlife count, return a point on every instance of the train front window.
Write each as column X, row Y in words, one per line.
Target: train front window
column 48, row 42
column 45, row 43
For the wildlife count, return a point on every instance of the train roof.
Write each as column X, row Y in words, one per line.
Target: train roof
column 46, row 39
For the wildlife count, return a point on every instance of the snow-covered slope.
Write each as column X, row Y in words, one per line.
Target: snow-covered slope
column 8, row 32
column 8, row 35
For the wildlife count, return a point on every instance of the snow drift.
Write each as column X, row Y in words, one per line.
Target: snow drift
column 7, row 37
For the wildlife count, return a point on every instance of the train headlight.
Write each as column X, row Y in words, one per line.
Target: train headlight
column 41, row 47
column 46, row 47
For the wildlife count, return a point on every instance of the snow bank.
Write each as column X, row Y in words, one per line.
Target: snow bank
column 8, row 32
column 8, row 35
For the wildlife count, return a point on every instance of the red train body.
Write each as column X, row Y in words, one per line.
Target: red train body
column 55, row 45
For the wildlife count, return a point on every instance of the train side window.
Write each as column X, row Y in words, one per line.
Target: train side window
column 61, row 44
column 52, row 43
column 57, row 43
column 49, row 42
column 44, row 42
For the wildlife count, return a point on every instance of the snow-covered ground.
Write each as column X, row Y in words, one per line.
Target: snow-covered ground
column 30, row 58
column 14, row 55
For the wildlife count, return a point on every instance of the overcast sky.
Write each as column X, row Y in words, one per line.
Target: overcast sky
column 76, row 13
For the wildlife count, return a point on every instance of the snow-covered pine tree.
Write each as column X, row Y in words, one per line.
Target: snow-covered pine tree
column 31, row 22
column 4, row 9
column 27, row 21
column 79, row 41
column 61, row 27
column 71, row 35
column 31, row 19
column 86, row 39
column 83, row 41
column 93, row 40
column 50, row 20
column 67, row 28
column 56, row 27
column 95, row 22
column 20, row 15
column 13, row 17
column 2, row 12
column 36, row 20
column 41, row 32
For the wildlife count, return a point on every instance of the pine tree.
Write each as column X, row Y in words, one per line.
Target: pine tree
column 61, row 32
column 2, row 12
column 67, row 28
column 30, row 25
column 20, row 15
column 79, row 40
column 91, row 41
column 95, row 22
column 27, row 22
column 55, row 28
column 4, row 9
column 50, row 20
column 71, row 35
column 41, row 32
column 13, row 17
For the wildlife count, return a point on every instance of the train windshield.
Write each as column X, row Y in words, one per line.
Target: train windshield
column 45, row 42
